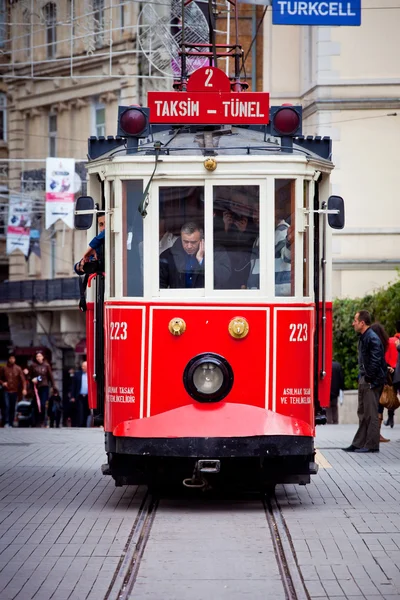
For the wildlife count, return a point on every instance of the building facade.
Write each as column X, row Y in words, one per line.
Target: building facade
column 348, row 81
column 62, row 84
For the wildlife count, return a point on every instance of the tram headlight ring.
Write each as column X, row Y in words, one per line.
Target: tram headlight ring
column 208, row 377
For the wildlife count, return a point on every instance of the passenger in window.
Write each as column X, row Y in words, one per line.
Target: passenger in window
column 167, row 238
column 182, row 265
column 283, row 254
column 283, row 243
column 235, row 230
column 95, row 250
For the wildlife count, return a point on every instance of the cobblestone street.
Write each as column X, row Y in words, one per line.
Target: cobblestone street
column 64, row 526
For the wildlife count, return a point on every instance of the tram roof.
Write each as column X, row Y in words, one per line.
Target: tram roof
column 218, row 141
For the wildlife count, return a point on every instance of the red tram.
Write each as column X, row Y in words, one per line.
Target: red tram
column 209, row 326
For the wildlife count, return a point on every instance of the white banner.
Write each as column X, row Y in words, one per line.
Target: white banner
column 19, row 224
column 60, row 199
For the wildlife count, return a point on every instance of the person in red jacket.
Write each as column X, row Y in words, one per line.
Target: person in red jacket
column 391, row 359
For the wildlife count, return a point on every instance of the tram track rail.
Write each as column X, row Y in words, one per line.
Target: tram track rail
column 285, row 554
column 125, row 575
column 123, row 582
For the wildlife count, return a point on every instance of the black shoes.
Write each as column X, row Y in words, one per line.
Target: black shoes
column 389, row 422
column 352, row 448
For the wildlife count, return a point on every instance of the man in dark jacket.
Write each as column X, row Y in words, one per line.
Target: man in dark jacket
column 372, row 373
column 182, row 265
column 79, row 402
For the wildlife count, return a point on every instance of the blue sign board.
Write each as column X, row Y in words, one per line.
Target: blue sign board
column 316, row 12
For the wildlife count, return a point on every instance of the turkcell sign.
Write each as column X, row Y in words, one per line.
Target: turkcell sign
column 313, row 12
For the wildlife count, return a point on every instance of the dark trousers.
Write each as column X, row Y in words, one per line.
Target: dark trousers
column 367, row 435
column 10, row 399
column 43, row 396
column 332, row 413
column 83, row 410
column 55, row 417
column 66, row 412
column 74, row 413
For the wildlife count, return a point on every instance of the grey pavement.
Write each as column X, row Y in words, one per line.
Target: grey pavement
column 345, row 526
column 64, row 527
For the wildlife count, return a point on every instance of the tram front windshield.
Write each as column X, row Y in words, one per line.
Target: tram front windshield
column 235, row 237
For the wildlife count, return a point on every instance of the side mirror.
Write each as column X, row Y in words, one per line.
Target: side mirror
column 85, row 221
column 336, row 203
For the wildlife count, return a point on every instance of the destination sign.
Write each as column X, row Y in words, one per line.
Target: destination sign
column 235, row 108
column 316, row 12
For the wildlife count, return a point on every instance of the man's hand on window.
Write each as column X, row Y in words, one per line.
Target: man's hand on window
column 200, row 252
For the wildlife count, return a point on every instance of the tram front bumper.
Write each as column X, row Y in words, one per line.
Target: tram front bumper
column 218, row 430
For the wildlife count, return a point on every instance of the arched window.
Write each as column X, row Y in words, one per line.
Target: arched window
column 50, row 13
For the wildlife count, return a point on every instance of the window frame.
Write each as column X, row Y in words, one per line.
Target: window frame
column 3, row 111
column 52, row 134
column 98, row 14
column 266, row 292
column 97, row 105
column 3, row 23
column 51, row 29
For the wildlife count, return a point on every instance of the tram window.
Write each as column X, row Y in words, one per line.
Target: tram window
column 181, row 237
column 236, row 235
column 132, row 192
column 306, row 245
column 284, row 236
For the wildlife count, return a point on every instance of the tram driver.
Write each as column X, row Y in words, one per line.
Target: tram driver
column 182, row 265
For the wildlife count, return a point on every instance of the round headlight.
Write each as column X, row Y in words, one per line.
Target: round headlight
column 208, row 377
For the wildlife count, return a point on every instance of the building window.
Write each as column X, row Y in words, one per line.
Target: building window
column 122, row 16
column 98, row 18
column 50, row 12
column 99, row 119
column 26, row 19
column 3, row 117
column 3, row 23
column 52, row 135
column 71, row 14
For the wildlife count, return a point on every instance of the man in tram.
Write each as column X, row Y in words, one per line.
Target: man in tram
column 182, row 265
column 96, row 246
column 236, row 231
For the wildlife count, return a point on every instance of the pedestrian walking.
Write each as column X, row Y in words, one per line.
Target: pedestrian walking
column 41, row 376
column 396, row 374
column 54, row 409
column 391, row 358
column 384, row 337
column 13, row 381
column 80, row 399
column 337, row 386
column 372, row 374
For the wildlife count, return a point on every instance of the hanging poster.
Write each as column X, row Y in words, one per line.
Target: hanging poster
column 19, row 224
column 60, row 199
